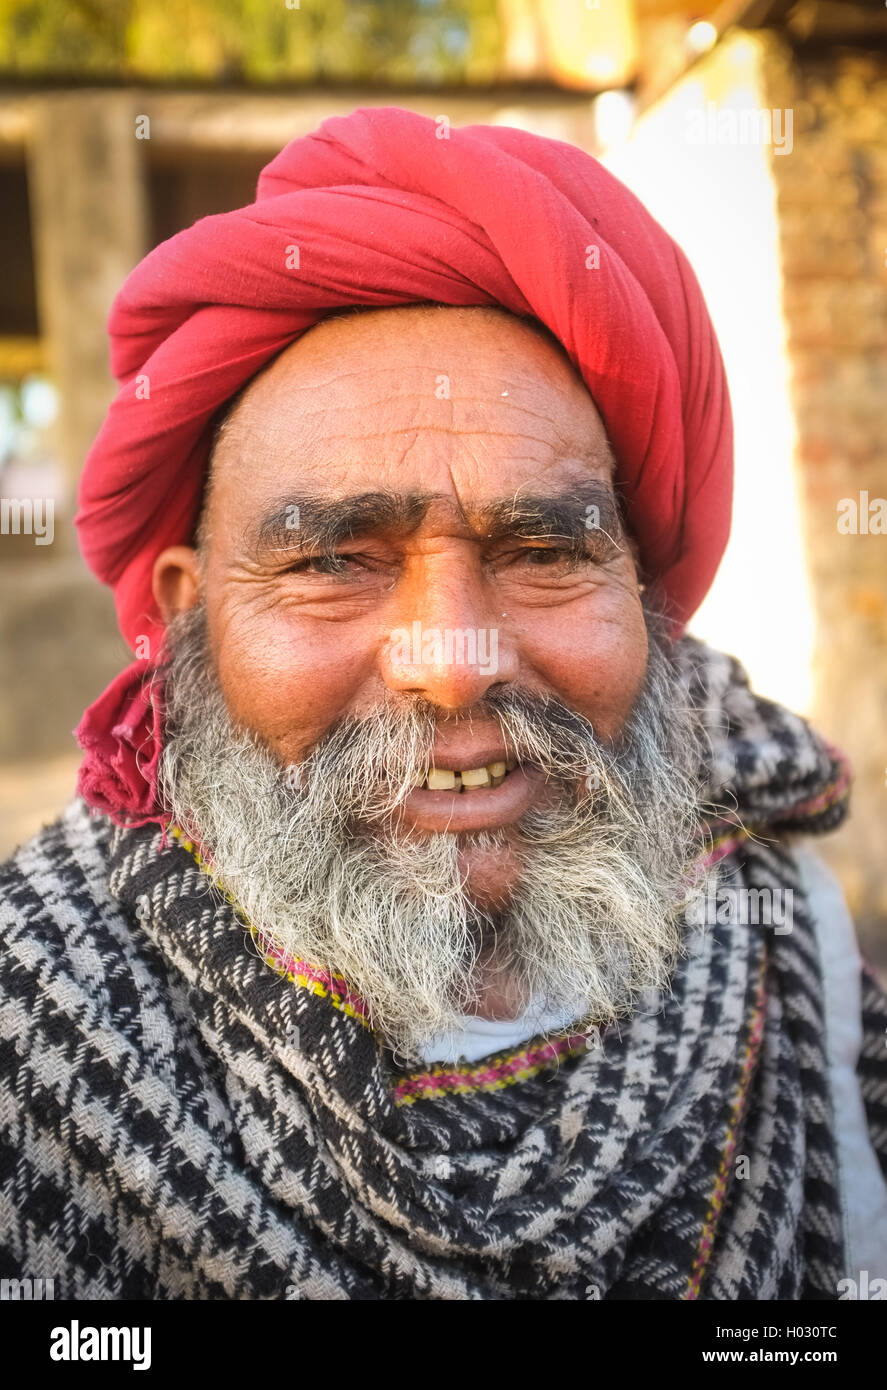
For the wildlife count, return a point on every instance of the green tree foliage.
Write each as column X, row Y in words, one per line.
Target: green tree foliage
column 256, row 41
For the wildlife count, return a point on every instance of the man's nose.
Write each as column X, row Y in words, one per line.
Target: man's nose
column 449, row 643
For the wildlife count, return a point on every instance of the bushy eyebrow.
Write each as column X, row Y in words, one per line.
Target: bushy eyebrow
column 311, row 525
column 571, row 516
column 318, row 524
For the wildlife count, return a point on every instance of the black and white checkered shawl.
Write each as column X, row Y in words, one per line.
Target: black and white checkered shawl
column 180, row 1120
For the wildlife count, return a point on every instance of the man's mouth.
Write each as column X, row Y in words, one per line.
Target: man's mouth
column 466, row 779
column 465, row 798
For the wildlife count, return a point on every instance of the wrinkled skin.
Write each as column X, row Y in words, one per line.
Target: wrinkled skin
column 464, row 408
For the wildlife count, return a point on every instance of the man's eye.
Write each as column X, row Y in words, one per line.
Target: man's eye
column 548, row 556
column 322, row 564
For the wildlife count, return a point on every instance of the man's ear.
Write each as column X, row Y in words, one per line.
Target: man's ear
column 175, row 582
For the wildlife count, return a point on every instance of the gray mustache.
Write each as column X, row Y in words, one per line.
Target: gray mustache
column 536, row 729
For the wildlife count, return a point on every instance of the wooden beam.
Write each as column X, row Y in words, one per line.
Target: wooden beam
column 21, row 356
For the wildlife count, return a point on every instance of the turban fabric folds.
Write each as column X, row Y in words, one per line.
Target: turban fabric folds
column 376, row 208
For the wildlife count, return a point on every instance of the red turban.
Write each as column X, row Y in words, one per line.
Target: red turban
column 377, row 208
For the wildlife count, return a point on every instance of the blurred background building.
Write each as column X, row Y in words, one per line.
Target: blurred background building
column 754, row 130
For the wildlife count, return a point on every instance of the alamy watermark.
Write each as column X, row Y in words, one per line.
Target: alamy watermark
column 865, row 1288
column 721, row 905
column 76, row 1343
column 862, row 516
column 28, row 516
column 477, row 647
column 713, row 125
column 26, row 1290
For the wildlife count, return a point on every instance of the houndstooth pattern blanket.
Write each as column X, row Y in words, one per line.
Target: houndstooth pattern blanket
column 184, row 1113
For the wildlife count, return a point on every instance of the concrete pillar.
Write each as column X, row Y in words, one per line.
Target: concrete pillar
column 88, row 214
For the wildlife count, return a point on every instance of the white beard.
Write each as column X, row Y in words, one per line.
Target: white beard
column 316, row 862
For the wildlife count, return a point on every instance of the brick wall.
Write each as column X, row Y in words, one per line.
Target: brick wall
column 790, row 249
column 832, row 205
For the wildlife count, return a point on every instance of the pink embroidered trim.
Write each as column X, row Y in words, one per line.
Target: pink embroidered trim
column 506, row 1069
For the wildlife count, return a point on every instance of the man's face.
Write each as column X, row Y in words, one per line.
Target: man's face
column 412, row 565
column 421, row 502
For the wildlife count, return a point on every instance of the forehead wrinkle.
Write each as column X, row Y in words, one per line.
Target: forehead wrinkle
column 258, row 425
column 309, row 355
column 264, row 416
column 319, row 453
column 315, row 450
column 260, row 420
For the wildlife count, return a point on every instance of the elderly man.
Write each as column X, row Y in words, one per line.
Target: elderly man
column 435, row 920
